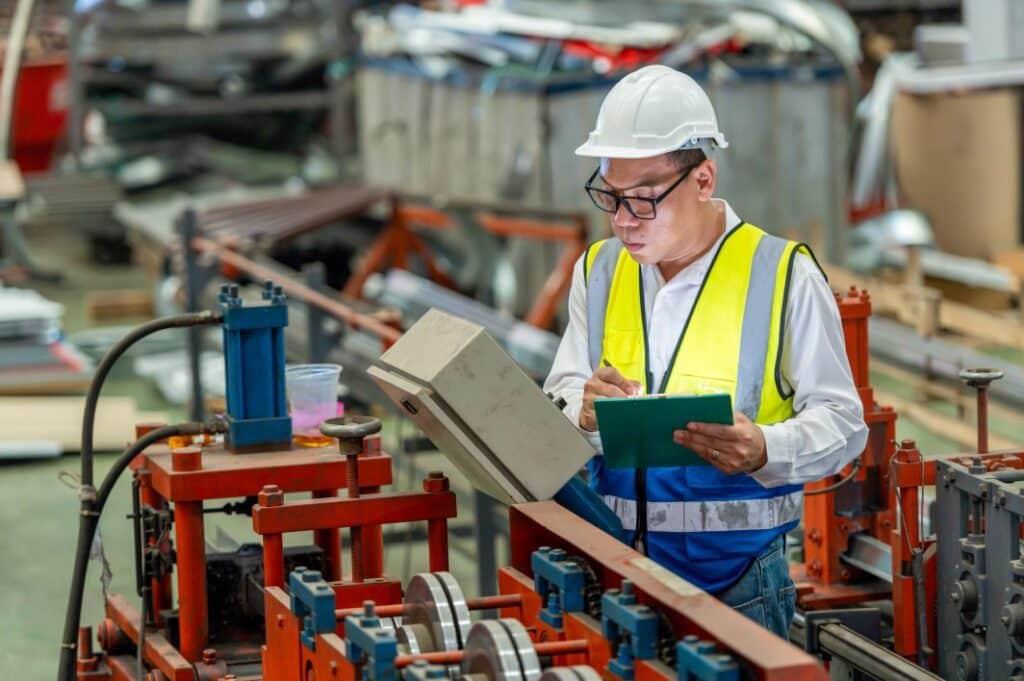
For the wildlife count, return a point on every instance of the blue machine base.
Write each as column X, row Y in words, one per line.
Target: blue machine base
column 245, row 433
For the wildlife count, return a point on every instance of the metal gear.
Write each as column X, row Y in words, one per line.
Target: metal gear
column 592, row 587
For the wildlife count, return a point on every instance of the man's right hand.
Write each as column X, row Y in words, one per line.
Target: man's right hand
column 606, row 382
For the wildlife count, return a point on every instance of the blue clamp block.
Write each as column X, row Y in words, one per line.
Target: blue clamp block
column 558, row 582
column 368, row 643
column 620, row 614
column 698, row 660
column 257, row 401
column 312, row 599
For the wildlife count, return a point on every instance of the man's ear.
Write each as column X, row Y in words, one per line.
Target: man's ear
column 706, row 175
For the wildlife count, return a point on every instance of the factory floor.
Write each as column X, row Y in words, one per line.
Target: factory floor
column 39, row 514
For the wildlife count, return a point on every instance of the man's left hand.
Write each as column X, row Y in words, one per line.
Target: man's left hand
column 739, row 448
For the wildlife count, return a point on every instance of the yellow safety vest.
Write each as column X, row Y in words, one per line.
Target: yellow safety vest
column 686, row 518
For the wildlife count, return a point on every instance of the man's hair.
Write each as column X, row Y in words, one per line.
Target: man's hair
column 684, row 158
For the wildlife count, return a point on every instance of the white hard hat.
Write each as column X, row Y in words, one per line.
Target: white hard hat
column 653, row 111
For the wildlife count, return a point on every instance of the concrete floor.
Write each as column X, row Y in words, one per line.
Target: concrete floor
column 38, row 519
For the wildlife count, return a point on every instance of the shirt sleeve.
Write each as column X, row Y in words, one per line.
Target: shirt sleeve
column 828, row 429
column 571, row 368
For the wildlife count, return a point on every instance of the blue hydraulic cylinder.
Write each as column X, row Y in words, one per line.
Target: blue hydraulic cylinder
column 254, row 358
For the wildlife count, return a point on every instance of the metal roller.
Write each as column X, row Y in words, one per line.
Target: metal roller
column 579, row 672
column 429, row 612
column 500, row 650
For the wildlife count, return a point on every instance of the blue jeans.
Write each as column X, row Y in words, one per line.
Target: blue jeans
column 765, row 593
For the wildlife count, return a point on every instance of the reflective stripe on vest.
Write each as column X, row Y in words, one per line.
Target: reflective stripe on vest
column 710, row 516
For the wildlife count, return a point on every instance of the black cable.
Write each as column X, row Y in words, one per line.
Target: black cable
column 91, row 510
column 107, row 363
column 836, row 485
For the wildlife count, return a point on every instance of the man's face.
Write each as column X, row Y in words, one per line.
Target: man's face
column 665, row 237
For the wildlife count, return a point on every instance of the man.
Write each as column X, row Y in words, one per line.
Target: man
column 688, row 298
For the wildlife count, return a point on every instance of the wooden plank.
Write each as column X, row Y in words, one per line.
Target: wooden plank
column 961, row 433
column 101, row 306
column 964, row 399
column 899, row 300
column 59, row 419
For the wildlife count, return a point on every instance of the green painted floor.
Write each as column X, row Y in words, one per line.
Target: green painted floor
column 38, row 516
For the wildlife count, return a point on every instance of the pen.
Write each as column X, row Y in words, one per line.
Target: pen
column 608, row 364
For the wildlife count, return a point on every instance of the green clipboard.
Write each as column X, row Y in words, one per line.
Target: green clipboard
column 636, row 432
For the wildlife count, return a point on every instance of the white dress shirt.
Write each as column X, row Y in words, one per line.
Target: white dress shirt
column 828, row 429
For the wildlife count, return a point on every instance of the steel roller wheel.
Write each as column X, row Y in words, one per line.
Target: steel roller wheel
column 500, row 650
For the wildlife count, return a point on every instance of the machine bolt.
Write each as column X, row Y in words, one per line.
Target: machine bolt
column 544, row 549
column 644, row 610
column 310, row 576
column 209, row 656
column 557, row 555
column 280, row 621
column 954, row 596
column 187, row 458
column 369, row 609
column 627, row 587
column 723, row 659
column 690, row 639
column 908, row 444
column 435, row 482
column 844, row 573
column 814, row 536
column 271, row 495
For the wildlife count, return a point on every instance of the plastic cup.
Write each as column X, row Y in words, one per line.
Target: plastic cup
column 312, row 396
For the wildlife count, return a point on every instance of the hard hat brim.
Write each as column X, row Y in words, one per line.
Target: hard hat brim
column 612, row 151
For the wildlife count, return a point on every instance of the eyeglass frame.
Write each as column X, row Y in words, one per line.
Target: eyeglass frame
column 621, row 200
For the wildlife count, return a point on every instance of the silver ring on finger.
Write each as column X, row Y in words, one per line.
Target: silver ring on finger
column 715, row 454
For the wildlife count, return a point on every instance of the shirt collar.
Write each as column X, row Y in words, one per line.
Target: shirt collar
column 695, row 271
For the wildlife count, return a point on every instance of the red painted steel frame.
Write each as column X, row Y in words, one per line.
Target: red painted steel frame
column 690, row 610
column 188, row 477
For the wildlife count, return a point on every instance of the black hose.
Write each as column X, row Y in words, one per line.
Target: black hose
column 93, row 501
column 92, row 509
column 107, row 363
column 836, row 485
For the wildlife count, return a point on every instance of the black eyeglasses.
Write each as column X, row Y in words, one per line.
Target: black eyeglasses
column 640, row 207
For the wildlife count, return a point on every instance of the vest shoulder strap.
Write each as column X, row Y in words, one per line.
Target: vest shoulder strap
column 600, row 261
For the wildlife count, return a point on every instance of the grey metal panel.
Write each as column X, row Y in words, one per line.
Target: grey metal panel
column 477, row 406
